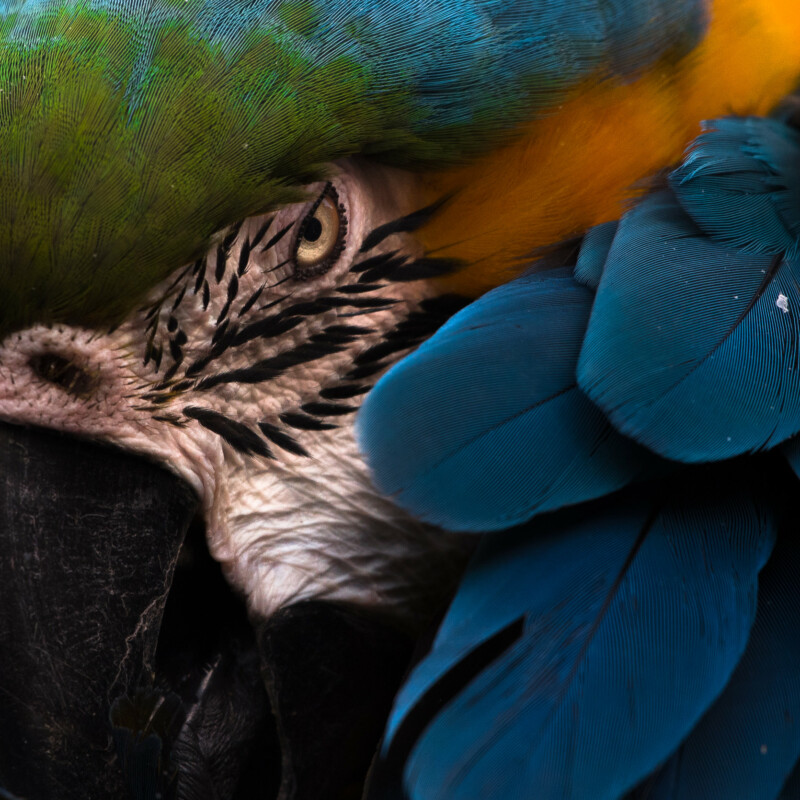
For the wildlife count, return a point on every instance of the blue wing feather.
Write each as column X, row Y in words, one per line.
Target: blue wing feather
column 483, row 426
column 610, row 629
column 749, row 740
column 693, row 347
column 593, row 254
column 740, row 183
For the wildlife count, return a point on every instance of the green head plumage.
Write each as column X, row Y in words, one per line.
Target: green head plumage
column 121, row 157
column 132, row 131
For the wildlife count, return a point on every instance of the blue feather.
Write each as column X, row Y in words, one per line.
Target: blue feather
column 483, row 426
column 581, row 649
column 749, row 740
column 740, row 183
column 593, row 254
column 693, row 348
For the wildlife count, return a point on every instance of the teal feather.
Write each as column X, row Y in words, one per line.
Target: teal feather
column 693, row 343
column 501, row 432
column 749, row 740
column 593, row 254
column 582, row 648
column 739, row 184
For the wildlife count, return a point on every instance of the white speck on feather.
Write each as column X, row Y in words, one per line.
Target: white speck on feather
column 783, row 303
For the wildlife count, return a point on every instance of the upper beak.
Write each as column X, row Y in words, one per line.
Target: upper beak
column 89, row 539
column 104, row 695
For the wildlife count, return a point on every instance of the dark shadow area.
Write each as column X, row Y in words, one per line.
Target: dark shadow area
column 227, row 748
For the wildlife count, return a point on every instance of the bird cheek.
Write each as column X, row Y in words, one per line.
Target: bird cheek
column 89, row 384
column 60, row 378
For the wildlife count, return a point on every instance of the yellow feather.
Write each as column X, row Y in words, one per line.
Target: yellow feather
column 580, row 163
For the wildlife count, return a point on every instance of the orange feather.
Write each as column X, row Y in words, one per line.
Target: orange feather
column 580, row 163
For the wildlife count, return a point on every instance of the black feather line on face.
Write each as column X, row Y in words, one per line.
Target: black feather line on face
column 175, row 350
column 181, row 275
column 426, row 269
column 201, row 275
column 266, row 328
column 244, row 258
column 237, row 435
column 407, row 224
column 359, row 373
column 359, row 302
column 303, row 422
column 219, row 269
column 329, row 335
column 196, row 367
column 277, row 237
column 220, row 332
column 233, row 290
column 306, row 309
column 172, row 419
column 252, row 300
column 369, row 275
column 358, row 288
column 282, row 439
column 344, row 391
column 327, row 409
column 256, row 240
column 224, row 250
column 168, row 376
column 179, row 299
column 373, row 262
column 270, row 368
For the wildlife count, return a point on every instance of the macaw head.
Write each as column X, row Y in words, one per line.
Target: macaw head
column 204, row 270
column 208, row 259
column 211, row 219
column 240, row 372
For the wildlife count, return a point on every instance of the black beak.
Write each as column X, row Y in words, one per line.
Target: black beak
column 130, row 669
column 89, row 539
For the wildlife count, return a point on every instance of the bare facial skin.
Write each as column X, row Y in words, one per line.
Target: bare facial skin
column 242, row 373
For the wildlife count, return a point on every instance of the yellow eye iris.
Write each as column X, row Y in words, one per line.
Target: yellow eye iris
column 320, row 238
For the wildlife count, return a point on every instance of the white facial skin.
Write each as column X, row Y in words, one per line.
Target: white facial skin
column 287, row 527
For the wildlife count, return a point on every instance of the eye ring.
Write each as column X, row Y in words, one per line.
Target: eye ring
column 321, row 236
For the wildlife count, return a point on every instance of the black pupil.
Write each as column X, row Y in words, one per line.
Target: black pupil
column 312, row 230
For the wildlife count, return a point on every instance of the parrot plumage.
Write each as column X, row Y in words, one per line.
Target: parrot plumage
column 224, row 228
column 687, row 343
column 629, row 618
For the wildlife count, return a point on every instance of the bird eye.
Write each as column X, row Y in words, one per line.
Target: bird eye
column 321, row 236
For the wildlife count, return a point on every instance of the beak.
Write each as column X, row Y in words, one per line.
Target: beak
column 89, row 540
column 129, row 668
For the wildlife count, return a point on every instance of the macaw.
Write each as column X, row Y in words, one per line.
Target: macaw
column 221, row 223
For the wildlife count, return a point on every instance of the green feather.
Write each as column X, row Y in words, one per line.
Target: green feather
column 133, row 130
column 104, row 191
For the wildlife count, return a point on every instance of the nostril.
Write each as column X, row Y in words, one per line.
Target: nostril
column 62, row 372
